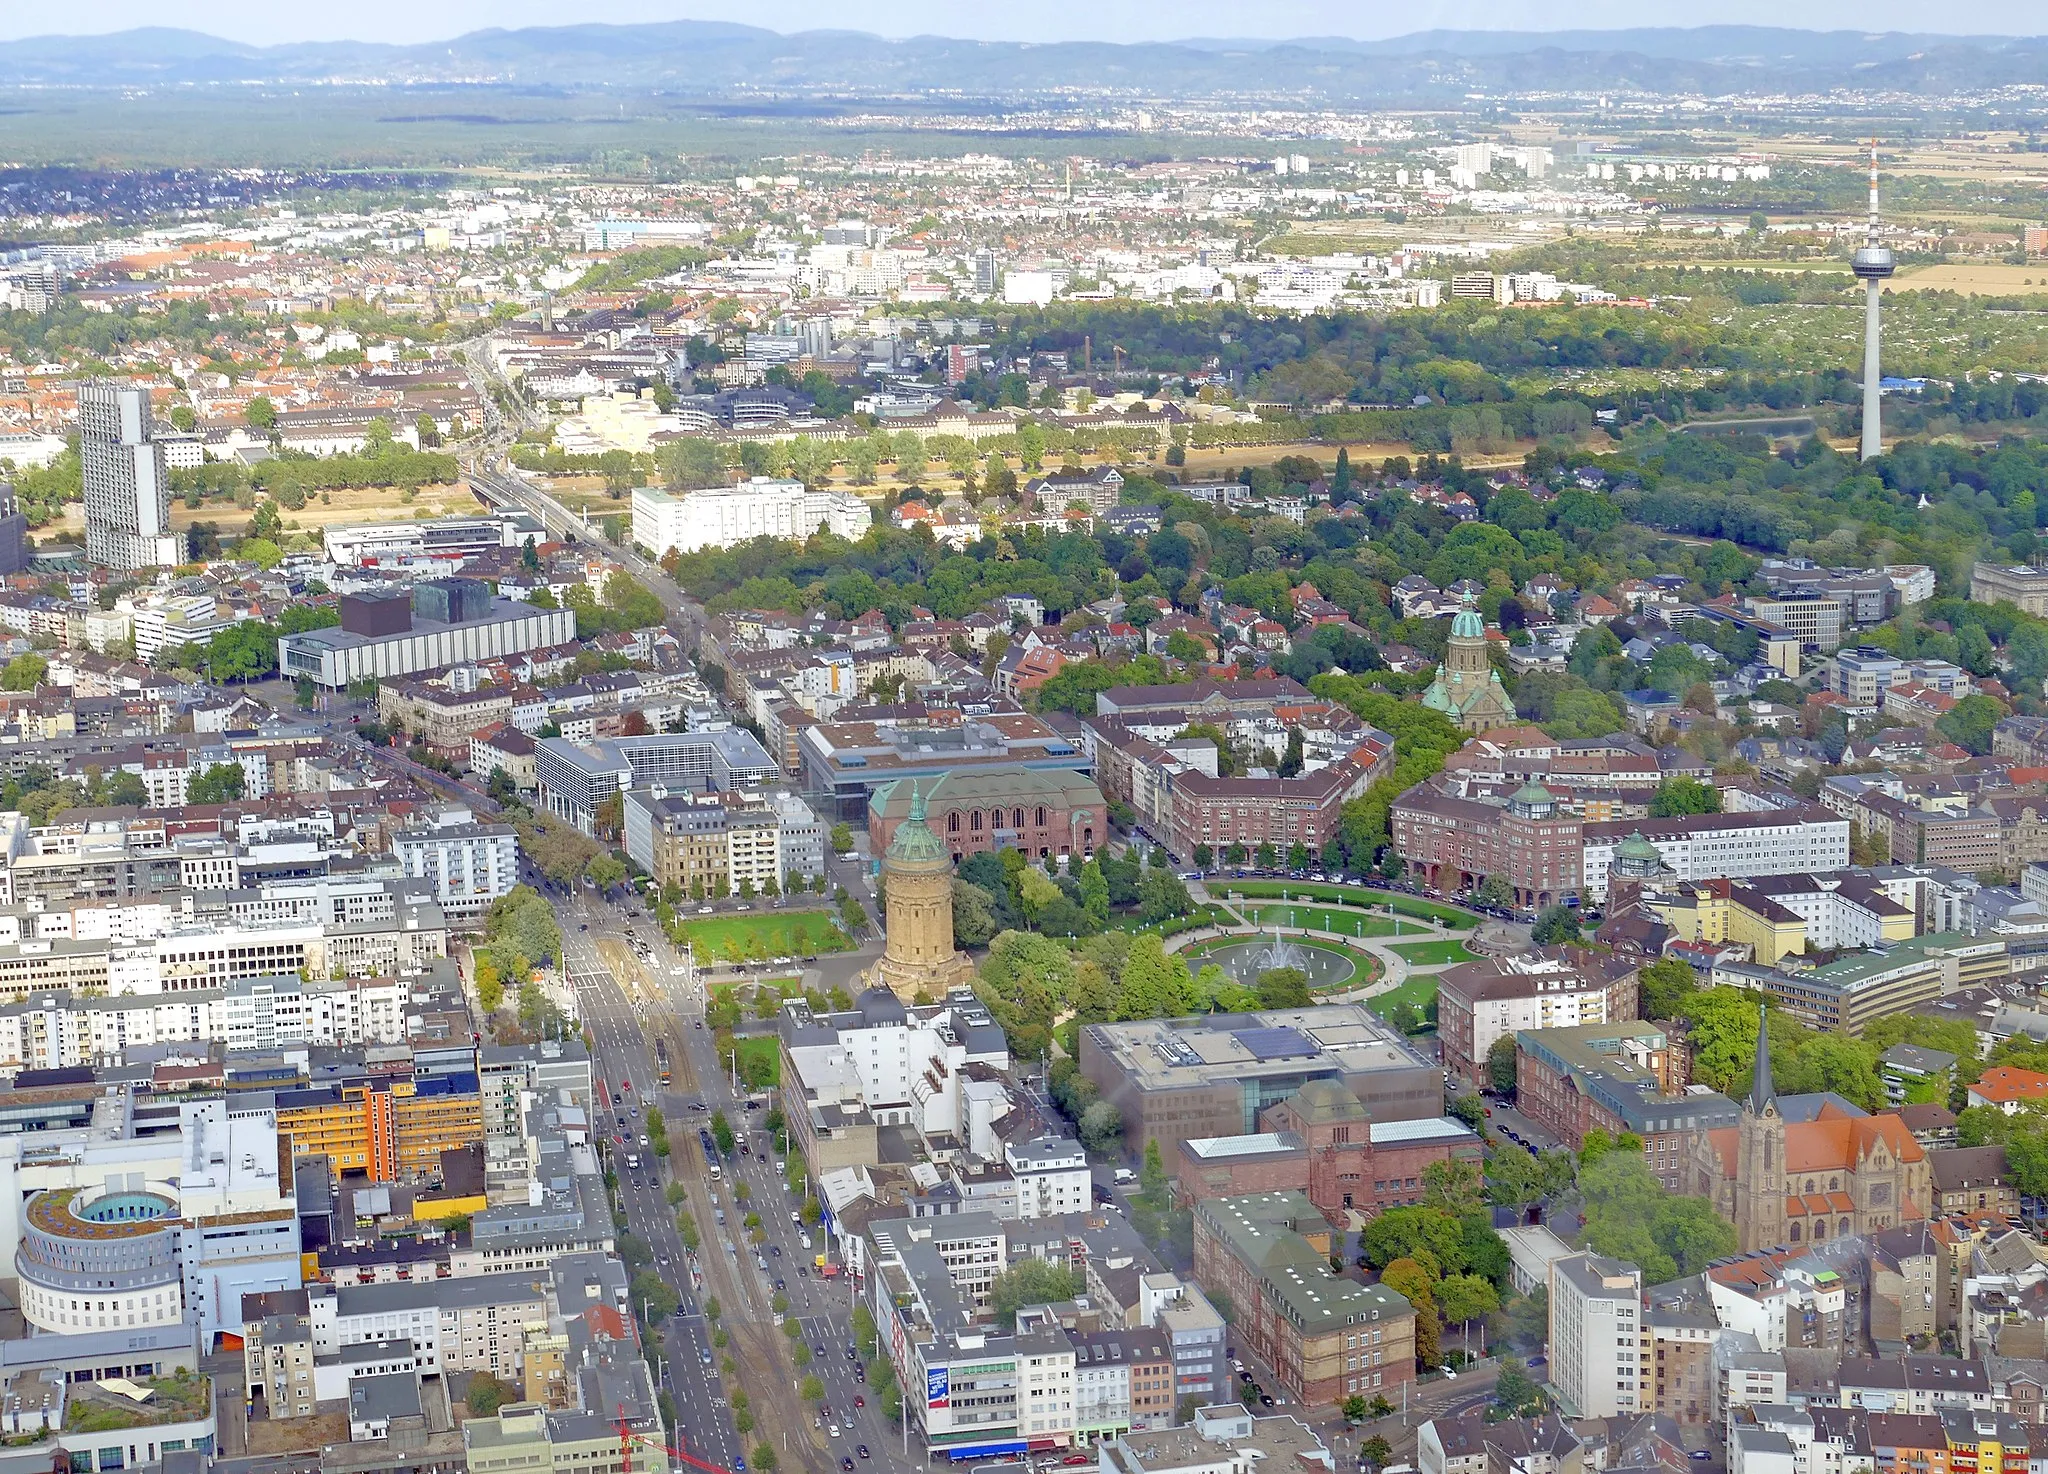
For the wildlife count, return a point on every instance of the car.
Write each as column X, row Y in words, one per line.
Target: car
column 803, row 1271
column 739, row 1465
column 776, row 1250
column 819, row 1352
column 862, row 1450
column 1535, row 1361
column 700, row 1023
column 1265, row 1399
column 852, row 1353
column 860, row 1402
column 847, row 1465
column 583, row 926
column 1072, row 1459
column 782, row 1284
column 1701, row 1454
column 832, row 1431
column 860, row 1374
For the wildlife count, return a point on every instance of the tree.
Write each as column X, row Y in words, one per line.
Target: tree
column 1514, row 1393
column 1500, row 1064
column 1454, row 1186
column 842, row 839
column 1031, row 1282
column 1681, row 795
column 1969, row 722
column 261, row 413
column 1665, row 985
column 487, row 1394
column 1466, row 1297
column 219, row 784
column 1376, row 1450
column 1354, row 1409
column 1555, row 924
column 1413, row 1283
column 24, row 672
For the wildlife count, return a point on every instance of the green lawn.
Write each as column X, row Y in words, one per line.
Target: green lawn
column 760, row 1059
column 1411, row 998
column 1345, row 923
column 1433, row 954
column 1442, row 915
column 764, row 935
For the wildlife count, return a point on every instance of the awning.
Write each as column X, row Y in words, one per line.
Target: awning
column 961, row 1452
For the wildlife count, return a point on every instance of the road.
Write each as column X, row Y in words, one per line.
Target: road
column 663, row 998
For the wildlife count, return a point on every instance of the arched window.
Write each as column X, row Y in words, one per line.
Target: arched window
column 1041, row 816
column 1843, row 1228
column 1834, row 1184
column 1017, row 819
column 974, row 821
column 953, row 822
column 1820, row 1228
column 1795, row 1233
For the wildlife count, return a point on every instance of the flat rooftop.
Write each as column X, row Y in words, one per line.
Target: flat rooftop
column 1171, row 1054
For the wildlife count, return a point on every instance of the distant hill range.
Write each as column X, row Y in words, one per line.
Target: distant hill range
column 715, row 59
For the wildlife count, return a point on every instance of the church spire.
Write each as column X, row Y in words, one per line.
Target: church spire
column 1762, row 1097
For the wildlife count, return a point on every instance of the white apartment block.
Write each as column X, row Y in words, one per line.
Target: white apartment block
column 469, row 865
column 1051, row 1173
column 53, row 1031
column 1710, row 846
column 907, row 1066
column 456, row 1325
column 1598, row 1337
column 1045, row 1385
column 723, row 516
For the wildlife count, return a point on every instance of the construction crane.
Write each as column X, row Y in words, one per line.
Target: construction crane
column 628, row 1437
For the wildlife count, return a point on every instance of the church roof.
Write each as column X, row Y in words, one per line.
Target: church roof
column 1467, row 625
column 1834, row 1142
column 1761, row 1096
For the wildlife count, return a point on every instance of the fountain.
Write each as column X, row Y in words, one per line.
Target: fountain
column 1324, row 967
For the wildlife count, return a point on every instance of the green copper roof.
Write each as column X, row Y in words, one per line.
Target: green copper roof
column 1532, row 792
column 914, row 842
column 1635, row 847
column 1467, row 625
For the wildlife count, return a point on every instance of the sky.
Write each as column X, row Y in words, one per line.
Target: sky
column 265, row 22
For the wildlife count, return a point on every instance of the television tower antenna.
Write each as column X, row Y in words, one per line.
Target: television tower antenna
column 1873, row 264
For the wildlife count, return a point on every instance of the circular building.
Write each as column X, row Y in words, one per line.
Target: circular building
column 917, row 890
column 96, row 1258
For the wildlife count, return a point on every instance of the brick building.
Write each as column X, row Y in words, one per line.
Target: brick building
column 1615, row 1077
column 1325, row 1338
column 1322, row 1142
column 1454, row 843
column 1043, row 812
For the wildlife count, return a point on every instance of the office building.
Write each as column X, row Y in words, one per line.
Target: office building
column 127, row 482
column 1325, row 1338
column 576, row 779
column 1616, row 1077
column 1173, row 1079
column 455, row 1325
column 148, row 1218
column 447, row 622
column 1480, row 1003
column 708, row 844
column 14, row 550
column 723, row 516
column 466, row 865
column 1805, row 838
column 2024, row 587
column 843, row 764
column 1598, row 1337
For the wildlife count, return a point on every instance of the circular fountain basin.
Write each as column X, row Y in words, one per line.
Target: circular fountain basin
column 1325, row 967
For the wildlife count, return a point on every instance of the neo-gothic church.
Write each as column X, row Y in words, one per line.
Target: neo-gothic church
column 1808, row 1169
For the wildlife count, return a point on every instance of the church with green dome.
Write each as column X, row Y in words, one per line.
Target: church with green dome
column 1467, row 688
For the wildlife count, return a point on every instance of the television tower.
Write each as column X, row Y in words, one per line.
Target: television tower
column 1873, row 263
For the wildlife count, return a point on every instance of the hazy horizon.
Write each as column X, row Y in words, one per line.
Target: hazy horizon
column 259, row 22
